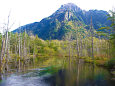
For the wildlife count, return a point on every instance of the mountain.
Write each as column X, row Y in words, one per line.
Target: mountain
column 62, row 21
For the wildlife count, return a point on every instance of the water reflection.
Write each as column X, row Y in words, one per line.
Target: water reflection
column 74, row 74
column 81, row 75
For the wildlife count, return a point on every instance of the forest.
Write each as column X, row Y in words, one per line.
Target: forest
column 97, row 47
column 93, row 46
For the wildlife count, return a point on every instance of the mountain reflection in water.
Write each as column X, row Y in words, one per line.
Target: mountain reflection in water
column 69, row 75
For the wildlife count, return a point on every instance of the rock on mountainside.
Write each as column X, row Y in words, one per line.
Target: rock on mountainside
column 56, row 25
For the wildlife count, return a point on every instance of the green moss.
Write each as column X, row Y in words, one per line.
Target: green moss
column 113, row 72
column 100, row 62
column 88, row 59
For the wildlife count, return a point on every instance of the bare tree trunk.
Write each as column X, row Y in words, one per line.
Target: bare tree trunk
column 109, row 46
column 7, row 44
column 21, row 45
column 77, row 47
column 69, row 53
column 81, row 48
column 2, row 49
column 6, row 52
column 19, row 52
column 100, row 42
column 25, row 45
column 92, row 33
column 84, row 47
column 3, row 53
column 92, row 48
column 77, row 44
column 34, row 54
column 16, row 65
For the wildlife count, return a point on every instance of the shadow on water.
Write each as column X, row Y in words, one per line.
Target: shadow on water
column 80, row 75
column 74, row 74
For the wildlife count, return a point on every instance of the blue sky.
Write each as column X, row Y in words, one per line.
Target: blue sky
column 28, row 11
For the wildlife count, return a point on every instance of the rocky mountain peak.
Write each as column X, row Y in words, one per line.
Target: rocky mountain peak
column 62, row 21
column 65, row 12
column 71, row 7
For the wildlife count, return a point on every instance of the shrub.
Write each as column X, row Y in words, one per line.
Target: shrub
column 111, row 63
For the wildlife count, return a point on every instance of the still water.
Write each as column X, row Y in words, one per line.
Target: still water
column 74, row 74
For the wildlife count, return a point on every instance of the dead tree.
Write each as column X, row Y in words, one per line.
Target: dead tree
column 77, row 38
column 68, row 37
column 92, row 35
column 6, row 43
column 24, row 44
column 19, row 51
column 77, row 45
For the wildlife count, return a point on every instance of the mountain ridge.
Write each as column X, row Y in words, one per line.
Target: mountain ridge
column 56, row 25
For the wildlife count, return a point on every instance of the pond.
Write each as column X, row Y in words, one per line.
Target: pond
column 74, row 74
